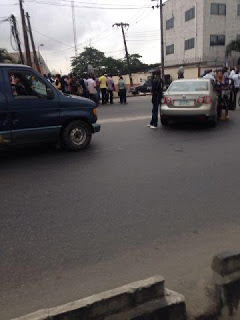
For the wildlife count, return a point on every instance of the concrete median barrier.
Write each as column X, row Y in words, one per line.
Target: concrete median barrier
column 146, row 299
column 226, row 272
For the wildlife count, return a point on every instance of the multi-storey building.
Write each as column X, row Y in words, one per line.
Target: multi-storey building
column 197, row 32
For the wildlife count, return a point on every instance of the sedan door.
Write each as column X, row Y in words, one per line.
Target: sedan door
column 34, row 105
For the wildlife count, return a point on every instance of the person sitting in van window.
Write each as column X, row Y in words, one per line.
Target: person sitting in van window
column 19, row 87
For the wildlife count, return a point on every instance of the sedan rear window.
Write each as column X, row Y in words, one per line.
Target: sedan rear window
column 187, row 86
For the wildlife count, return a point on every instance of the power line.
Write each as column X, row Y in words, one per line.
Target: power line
column 83, row 6
column 85, row 42
column 99, row 4
column 50, row 38
column 136, row 16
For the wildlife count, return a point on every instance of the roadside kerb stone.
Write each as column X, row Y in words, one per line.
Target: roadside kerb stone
column 226, row 267
column 226, row 274
column 170, row 307
column 105, row 304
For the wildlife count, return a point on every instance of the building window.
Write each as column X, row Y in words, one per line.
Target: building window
column 170, row 23
column 238, row 10
column 190, row 14
column 189, row 44
column 218, row 8
column 217, row 40
column 170, row 49
column 238, row 37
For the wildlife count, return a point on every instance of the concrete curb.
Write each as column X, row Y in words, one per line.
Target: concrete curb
column 146, row 298
column 226, row 275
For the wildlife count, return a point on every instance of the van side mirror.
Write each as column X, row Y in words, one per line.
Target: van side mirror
column 50, row 94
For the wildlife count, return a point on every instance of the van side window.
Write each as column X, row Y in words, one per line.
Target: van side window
column 27, row 85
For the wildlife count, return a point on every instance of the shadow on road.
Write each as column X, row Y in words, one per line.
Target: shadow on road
column 199, row 126
column 44, row 153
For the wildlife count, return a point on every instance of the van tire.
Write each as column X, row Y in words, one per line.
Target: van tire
column 76, row 136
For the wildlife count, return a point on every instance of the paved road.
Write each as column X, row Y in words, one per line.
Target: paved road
column 136, row 203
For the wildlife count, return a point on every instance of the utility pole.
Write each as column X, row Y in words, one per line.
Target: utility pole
column 161, row 31
column 25, row 35
column 33, row 44
column 16, row 37
column 124, row 25
column 74, row 27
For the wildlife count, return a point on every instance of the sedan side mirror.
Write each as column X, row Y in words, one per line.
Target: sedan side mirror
column 50, row 94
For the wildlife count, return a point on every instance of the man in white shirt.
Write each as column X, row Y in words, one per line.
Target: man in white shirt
column 232, row 73
column 236, row 80
column 91, row 87
column 209, row 75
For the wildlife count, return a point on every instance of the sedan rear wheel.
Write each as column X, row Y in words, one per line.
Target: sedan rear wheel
column 213, row 121
column 164, row 121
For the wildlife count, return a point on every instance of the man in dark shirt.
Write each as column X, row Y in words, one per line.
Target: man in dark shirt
column 157, row 94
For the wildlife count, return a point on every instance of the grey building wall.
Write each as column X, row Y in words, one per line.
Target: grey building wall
column 201, row 28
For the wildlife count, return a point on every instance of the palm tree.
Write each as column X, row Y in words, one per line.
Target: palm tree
column 233, row 46
column 5, row 56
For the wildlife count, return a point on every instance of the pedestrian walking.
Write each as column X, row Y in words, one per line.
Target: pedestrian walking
column 103, row 87
column 157, row 94
column 111, row 88
column 122, row 91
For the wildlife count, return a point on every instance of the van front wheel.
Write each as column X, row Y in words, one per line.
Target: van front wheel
column 76, row 136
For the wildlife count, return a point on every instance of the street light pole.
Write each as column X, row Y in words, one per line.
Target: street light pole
column 124, row 25
column 25, row 35
column 161, row 34
column 39, row 57
column 162, row 42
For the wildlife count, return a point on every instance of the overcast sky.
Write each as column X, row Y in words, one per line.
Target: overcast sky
column 52, row 25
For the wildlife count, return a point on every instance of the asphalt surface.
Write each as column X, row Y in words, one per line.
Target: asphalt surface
column 138, row 202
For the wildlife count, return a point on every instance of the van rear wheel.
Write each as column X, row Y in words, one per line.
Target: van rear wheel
column 76, row 136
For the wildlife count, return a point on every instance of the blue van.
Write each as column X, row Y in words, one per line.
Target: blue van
column 33, row 111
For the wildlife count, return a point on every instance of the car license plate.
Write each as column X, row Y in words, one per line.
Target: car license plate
column 183, row 103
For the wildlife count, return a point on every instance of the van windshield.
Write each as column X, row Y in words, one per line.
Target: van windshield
column 186, row 86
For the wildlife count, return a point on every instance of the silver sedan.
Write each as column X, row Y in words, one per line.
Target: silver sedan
column 190, row 99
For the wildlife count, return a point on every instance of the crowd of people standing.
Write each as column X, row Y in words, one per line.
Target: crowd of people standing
column 88, row 86
column 226, row 83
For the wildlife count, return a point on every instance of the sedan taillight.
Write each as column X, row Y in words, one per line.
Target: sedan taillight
column 206, row 100
column 167, row 100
